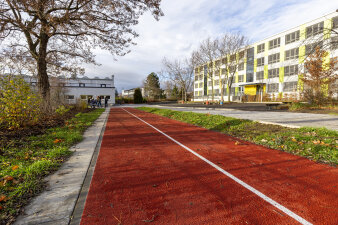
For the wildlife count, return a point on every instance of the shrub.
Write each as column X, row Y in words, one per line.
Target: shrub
column 138, row 96
column 61, row 110
column 19, row 104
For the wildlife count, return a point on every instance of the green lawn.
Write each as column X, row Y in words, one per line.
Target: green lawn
column 24, row 163
column 317, row 144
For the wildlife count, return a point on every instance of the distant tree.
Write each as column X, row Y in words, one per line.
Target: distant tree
column 174, row 92
column 319, row 77
column 62, row 33
column 152, row 86
column 138, row 96
column 116, row 93
column 204, row 57
column 231, row 47
column 179, row 72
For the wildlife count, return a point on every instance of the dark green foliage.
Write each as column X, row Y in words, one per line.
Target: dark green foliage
column 138, row 96
column 152, row 86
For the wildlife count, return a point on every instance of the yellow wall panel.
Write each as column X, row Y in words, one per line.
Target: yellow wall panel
column 327, row 28
column 250, row 90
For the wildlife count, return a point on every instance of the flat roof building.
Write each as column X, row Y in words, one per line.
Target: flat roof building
column 271, row 67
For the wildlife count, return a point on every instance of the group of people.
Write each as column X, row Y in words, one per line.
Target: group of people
column 97, row 102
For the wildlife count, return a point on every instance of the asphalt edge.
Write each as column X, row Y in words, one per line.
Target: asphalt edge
column 75, row 217
column 259, row 121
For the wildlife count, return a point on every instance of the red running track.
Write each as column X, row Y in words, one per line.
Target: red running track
column 142, row 177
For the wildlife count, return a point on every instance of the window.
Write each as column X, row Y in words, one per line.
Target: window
column 103, row 85
column 249, row 77
column 335, row 22
column 218, row 63
column 70, row 97
column 210, row 83
column 273, row 73
column 314, row 29
column 201, row 85
column 196, row 77
column 233, row 57
column 216, row 82
column 232, row 91
column 196, row 93
column 83, row 97
column 260, row 48
column 273, row 58
column 82, row 85
column 241, row 54
column 273, row 87
column 309, row 49
column 290, row 86
column 334, row 42
column 196, row 70
column 260, row 75
column 223, row 71
column 292, row 54
column 216, row 91
column 260, row 61
column 241, row 78
column 232, row 69
column 196, row 85
column 224, row 60
column 292, row 37
column 240, row 66
column 274, row 43
column 291, row 70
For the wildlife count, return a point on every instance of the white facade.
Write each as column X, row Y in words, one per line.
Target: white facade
column 82, row 88
column 130, row 93
column 274, row 77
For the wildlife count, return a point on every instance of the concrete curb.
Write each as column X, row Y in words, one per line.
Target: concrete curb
column 56, row 204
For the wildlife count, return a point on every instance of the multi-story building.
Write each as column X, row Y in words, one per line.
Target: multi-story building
column 130, row 93
column 271, row 67
column 81, row 88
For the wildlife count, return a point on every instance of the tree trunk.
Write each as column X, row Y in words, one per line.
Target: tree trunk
column 229, row 92
column 43, row 82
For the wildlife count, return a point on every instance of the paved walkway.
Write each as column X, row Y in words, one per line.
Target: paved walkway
column 56, row 204
column 285, row 118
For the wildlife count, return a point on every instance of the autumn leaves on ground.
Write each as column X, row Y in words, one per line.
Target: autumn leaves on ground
column 30, row 151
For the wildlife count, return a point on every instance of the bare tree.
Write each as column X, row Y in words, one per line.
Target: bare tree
column 205, row 55
column 180, row 73
column 59, row 33
column 232, row 48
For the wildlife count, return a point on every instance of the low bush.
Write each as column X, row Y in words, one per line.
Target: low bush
column 19, row 104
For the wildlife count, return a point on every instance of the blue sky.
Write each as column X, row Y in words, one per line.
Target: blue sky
column 187, row 22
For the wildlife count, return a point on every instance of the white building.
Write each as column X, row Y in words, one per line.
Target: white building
column 82, row 88
column 271, row 67
column 130, row 93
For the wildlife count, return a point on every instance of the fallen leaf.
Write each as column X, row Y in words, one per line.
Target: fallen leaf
column 8, row 178
column 15, row 167
column 2, row 198
column 294, row 140
column 1, row 207
column 237, row 143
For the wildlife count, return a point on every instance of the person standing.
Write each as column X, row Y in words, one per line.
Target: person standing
column 98, row 99
column 106, row 101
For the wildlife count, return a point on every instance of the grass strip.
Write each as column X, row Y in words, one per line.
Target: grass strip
column 26, row 162
column 317, row 144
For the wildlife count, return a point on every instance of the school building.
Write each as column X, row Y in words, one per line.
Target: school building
column 270, row 68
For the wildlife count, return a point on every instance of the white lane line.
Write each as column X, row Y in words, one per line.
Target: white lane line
column 260, row 194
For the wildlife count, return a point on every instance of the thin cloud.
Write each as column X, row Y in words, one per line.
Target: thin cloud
column 188, row 22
